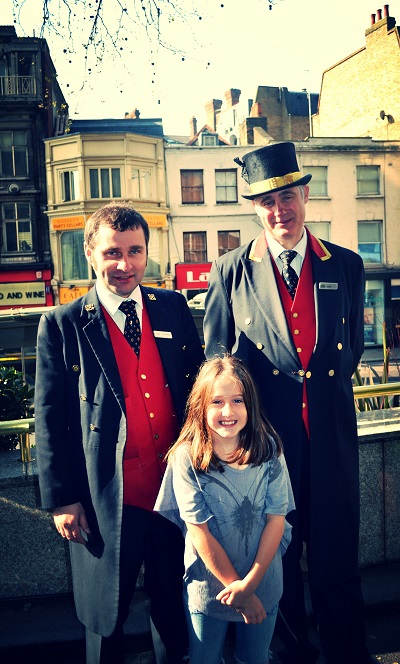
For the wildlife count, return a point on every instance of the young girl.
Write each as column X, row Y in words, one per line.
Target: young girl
column 227, row 486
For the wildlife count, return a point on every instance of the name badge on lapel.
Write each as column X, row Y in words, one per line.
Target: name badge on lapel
column 327, row 285
column 161, row 334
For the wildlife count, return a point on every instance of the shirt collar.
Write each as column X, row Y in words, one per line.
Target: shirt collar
column 111, row 301
column 276, row 248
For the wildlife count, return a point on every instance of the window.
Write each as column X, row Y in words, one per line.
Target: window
column 69, row 185
column 209, row 139
column 226, row 186
column 370, row 241
column 227, row 240
column 321, row 229
column 319, row 182
column 195, row 247
column 368, row 180
column 17, row 227
column 73, row 260
column 105, row 183
column 192, row 186
column 13, row 153
column 141, row 183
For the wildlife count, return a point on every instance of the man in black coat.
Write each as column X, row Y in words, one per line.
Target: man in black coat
column 106, row 413
column 291, row 307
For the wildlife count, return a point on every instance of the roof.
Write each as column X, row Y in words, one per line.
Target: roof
column 207, row 130
column 144, row 127
column 297, row 102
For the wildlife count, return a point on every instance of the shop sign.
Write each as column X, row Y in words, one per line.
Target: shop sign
column 155, row 220
column 69, row 294
column 68, row 223
column 22, row 293
column 192, row 275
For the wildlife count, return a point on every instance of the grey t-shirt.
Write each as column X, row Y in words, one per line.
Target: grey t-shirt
column 234, row 503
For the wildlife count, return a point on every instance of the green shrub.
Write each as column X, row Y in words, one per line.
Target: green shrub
column 15, row 402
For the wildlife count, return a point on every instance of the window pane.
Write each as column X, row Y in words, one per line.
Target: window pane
column 116, row 183
column 19, row 137
column 369, row 232
column 66, row 186
column 105, row 182
column 368, row 180
column 94, row 183
column 321, row 229
column 226, row 186
column 228, row 240
column 6, row 162
column 153, row 264
column 369, row 241
column 192, row 186
column 135, row 183
column 144, row 184
column 194, row 247
column 319, row 182
column 11, row 237
column 74, row 264
column 75, row 193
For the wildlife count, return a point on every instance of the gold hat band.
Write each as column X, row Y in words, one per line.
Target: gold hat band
column 274, row 183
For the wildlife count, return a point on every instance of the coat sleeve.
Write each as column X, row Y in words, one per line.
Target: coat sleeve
column 357, row 311
column 219, row 324
column 55, row 456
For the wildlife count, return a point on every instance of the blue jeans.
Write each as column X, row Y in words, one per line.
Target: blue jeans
column 207, row 638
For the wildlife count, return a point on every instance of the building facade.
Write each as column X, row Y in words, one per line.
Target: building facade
column 360, row 95
column 32, row 108
column 353, row 202
column 99, row 161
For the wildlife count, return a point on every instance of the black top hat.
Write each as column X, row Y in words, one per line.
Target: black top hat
column 271, row 168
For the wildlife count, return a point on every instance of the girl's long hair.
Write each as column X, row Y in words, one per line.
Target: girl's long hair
column 258, row 441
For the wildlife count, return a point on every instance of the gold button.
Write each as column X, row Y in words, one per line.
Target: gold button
column 260, row 346
column 156, row 436
column 187, row 375
column 343, row 320
column 304, row 405
column 331, row 372
column 295, row 315
column 147, row 395
column 75, row 367
column 92, row 427
column 183, row 347
column 275, row 372
column 308, row 374
column 340, row 346
column 247, row 321
column 166, row 385
column 160, row 455
column 151, row 415
column 143, row 376
column 83, row 398
column 299, row 350
column 296, row 331
column 301, row 372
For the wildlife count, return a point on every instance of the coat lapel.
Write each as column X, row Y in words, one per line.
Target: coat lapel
column 96, row 331
column 262, row 284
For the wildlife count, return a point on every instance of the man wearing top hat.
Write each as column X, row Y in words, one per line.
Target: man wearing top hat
column 291, row 307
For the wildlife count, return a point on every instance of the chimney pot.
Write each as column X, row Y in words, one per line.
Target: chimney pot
column 379, row 12
column 373, row 19
column 386, row 11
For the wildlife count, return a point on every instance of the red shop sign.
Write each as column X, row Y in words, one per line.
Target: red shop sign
column 192, row 275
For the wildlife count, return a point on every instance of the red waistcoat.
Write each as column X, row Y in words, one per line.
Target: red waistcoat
column 150, row 415
column 300, row 315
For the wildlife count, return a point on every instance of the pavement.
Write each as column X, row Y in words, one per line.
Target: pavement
column 44, row 630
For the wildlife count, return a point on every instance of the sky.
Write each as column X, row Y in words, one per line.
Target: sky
column 221, row 44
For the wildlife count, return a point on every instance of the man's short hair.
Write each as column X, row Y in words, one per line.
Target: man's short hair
column 120, row 216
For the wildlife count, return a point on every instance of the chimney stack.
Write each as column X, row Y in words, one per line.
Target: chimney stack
column 232, row 97
column 193, row 127
column 212, row 107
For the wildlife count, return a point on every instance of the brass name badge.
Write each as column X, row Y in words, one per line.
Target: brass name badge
column 327, row 285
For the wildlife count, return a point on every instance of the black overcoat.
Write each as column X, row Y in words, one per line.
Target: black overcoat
column 244, row 315
column 80, row 429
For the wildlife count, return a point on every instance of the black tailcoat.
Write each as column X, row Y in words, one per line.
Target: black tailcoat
column 244, row 315
column 80, row 429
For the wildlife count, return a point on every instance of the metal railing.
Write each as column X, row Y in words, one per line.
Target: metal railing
column 27, row 426
column 17, row 85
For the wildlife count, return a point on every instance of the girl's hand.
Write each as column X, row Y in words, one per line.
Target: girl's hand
column 254, row 613
column 234, row 594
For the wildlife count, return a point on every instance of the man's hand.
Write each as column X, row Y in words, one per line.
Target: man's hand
column 69, row 520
